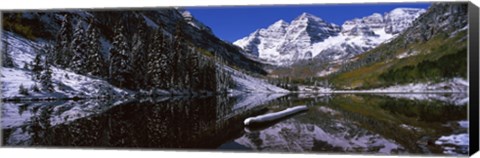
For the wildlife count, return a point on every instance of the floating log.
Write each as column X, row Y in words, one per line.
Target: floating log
column 274, row 116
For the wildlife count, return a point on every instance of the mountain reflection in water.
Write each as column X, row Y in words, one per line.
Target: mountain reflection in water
column 353, row 123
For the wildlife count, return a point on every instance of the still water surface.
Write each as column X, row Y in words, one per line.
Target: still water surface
column 340, row 123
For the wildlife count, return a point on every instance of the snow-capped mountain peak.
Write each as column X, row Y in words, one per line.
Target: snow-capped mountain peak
column 308, row 36
column 399, row 19
column 281, row 41
column 279, row 24
column 406, row 11
column 305, row 17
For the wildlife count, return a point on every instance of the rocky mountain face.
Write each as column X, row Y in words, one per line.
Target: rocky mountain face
column 308, row 36
column 441, row 17
column 427, row 51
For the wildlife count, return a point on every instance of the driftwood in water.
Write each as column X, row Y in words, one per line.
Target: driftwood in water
column 274, row 116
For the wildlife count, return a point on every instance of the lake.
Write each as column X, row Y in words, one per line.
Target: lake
column 334, row 123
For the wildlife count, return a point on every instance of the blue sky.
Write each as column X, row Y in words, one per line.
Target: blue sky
column 233, row 23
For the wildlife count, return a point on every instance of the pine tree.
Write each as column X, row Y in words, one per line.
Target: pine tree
column 178, row 57
column 22, row 90
column 158, row 68
column 26, row 66
column 50, row 52
column 222, row 77
column 63, row 52
column 6, row 58
column 79, row 48
column 119, row 66
column 37, row 66
column 139, row 55
column 193, row 62
column 95, row 62
column 153, row 57
column 35, row 88
column 46, row 78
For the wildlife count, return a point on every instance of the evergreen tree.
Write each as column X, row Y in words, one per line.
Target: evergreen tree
column 46, row 77
column 35, row 88
column 223, row 81
column 79, row 48
column 22, row 90
column 6, row 58
column 139, row 55
column 158, row 63
column 26, row 66
column 119, row 66
column 153, row 59
column 95, row 62
column 63, row 52
column 50, row 52
column 37, row 66
column 178, row 57
column 192, row 67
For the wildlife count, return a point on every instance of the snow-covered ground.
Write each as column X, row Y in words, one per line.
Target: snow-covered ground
column 455, row 85
column 248, row 84
column 247, row 100
column 315, row 89
column 21, row 50
column 449, row 86
column 67, row 84
column 453, row 91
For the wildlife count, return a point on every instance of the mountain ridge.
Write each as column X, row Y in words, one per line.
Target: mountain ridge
column 307, row 36
column 427, row 51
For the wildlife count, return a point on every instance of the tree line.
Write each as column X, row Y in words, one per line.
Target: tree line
column 150, row 59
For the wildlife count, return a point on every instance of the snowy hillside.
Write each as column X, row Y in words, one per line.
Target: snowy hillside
column 248, row 84
column 66, row 84
column 455, row 85
column 309, row 36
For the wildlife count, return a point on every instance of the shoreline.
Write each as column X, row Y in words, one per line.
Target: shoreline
column 27, row 99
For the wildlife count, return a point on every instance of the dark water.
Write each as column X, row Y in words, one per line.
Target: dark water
column 377, row 124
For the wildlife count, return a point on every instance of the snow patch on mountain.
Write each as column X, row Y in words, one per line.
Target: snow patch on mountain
column 327, row 71
column 308, row 36
column 407, row 54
